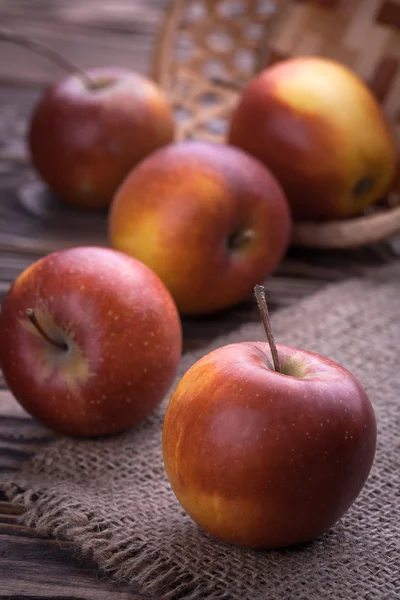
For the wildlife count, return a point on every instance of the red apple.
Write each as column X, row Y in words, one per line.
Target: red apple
column 320, row 130
column 267, row 459
column 85, row 138
column 90, row 341
column 209, row 219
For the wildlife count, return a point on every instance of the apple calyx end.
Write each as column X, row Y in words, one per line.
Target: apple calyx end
column 241, row 238
column 259, row 292
column 363, row 186
column 30, row 313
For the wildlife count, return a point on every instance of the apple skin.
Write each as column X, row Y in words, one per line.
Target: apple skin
column 83, row 141
column 262, row 459
column 181, row 212
column 123, row 334
column 320, row 130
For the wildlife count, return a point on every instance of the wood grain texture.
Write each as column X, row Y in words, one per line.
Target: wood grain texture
column 33, row 223
column 23, row 572
column 91, row 33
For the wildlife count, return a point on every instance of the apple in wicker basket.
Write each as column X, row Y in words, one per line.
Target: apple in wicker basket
column 267, row 455
column 91, row 128
column 321, row 131
column 209, row 219
column 90, row 341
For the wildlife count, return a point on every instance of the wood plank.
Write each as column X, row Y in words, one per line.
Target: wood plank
column 24, row 574
column 38, row 223
column 121, row 34
column 9, row 407
column 8, row 510
column 124, row 14
column 19, row 64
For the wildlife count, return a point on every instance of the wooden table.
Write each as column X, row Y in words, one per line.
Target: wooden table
column 32, row 223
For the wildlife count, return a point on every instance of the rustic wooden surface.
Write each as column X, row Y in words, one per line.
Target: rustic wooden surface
column 32, row 223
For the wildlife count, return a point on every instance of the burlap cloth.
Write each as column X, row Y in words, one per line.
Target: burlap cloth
column 112, row 498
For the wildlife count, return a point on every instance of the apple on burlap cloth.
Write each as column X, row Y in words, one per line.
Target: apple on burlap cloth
column 112, row 497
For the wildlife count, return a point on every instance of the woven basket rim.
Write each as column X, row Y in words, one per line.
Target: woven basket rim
column 382, row 223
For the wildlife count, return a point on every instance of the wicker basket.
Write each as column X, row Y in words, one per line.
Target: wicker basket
column 209, row 49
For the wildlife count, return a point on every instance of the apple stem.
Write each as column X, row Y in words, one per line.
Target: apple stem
column 32, row 317
column 259, row 292
column 44, row 50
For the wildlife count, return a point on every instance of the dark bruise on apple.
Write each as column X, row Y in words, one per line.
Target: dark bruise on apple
column 268, row 459
column 88, row 132
column 91, row 341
